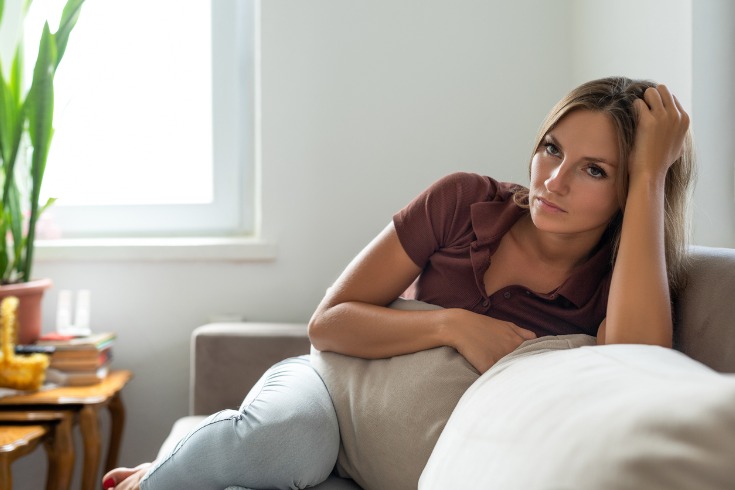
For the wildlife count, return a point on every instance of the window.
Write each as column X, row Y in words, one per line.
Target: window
column 154, row 119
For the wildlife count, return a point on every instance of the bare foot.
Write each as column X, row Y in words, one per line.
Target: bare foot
column 125, row 478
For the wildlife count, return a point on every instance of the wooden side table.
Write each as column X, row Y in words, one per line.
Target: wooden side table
column 17, row 441
column 58, row 442
column 83, row 404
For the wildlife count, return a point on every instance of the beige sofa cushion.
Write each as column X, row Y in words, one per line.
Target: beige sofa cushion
column 391, row 411
column 705, row 315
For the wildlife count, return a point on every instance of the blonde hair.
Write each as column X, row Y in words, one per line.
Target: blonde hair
column 614, row 96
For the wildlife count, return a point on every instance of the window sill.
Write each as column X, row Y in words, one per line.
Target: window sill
column 223, row 249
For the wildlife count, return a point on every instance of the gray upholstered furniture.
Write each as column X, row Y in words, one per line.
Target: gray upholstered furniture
column 228, row 358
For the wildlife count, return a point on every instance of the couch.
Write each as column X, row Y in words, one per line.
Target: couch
column 666, row 418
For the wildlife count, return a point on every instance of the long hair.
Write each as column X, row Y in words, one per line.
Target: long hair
column 614, row 96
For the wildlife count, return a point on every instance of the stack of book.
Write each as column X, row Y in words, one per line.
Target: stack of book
column 78, row 361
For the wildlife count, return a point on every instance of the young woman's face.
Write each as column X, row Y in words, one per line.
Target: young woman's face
column 573, row 174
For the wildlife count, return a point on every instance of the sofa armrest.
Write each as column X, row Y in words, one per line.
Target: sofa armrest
column 705, row 315
column 229, row 358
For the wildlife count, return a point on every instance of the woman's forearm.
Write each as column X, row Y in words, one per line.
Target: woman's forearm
column 639, row 305
column 374, row 332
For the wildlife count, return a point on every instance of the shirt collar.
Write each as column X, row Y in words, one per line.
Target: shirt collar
column 586, row 279
column 492, row 219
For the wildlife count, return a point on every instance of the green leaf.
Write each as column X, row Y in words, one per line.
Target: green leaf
column 6, row 111
column 50, row 202
column 4, row 260
column 69, row 17
column 9, row 111
column 15, row 216
column 11, row 130
column 40, row 113
column 2, row 9
column 16, row 73
column 40, row 99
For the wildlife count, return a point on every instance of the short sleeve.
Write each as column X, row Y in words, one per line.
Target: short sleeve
column 440, row 214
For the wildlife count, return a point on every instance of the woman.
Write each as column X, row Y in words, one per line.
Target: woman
column 595, row 245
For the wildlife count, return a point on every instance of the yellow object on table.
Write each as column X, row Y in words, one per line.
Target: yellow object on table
column 17, row 372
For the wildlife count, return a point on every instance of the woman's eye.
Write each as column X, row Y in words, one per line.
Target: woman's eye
column 597, row 172
column 551, row 149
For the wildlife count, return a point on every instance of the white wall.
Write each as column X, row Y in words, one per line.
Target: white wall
column 714, row 120
column 364, row 103
column 9, row 33
column 649, row 39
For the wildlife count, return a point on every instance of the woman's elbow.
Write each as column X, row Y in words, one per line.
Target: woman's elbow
column 659, row 338
column 617, row 331
column 317, row 331
column 313, row 331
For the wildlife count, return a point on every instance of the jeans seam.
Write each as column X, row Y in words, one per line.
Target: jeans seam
column 186, row 439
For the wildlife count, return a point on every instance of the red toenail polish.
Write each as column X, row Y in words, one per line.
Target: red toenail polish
column 109, row 483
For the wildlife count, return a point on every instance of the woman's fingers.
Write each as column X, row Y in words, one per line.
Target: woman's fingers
column 660, row 100
column 653, row 99
column 667, row 99
column 641, row 108
column 682, row 113
column 522, row 332
column 662, row 126
column 660, row 103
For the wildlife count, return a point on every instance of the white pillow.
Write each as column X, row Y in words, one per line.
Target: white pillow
column 595, row 418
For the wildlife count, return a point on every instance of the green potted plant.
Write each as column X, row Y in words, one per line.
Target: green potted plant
column 26, row 131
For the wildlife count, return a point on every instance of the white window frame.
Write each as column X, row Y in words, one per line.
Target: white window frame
column 233, row 211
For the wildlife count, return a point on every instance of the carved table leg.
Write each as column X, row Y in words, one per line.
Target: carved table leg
column 90, row 429
column 117, row 422
column 60, row 450
column 6, row 478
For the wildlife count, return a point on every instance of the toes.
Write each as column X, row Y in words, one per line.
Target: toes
column 114, row 477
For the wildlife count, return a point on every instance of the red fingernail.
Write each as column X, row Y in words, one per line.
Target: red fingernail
column 109, row 483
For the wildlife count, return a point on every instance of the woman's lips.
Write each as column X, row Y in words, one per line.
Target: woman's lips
column 550, row 206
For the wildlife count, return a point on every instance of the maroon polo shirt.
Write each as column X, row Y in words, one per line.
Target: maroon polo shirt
column 451, row 231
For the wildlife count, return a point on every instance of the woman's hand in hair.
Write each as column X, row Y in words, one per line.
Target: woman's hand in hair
column 662, row 127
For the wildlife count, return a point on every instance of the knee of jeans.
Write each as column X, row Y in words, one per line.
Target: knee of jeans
column 312, row 417
column 303, row 447
column 300, row 428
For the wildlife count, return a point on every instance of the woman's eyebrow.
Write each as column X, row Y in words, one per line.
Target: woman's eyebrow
column 555, row 142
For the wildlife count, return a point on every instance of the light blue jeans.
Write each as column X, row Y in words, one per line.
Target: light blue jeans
column 284, row 436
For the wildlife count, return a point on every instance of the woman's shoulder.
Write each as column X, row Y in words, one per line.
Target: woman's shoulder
column 473, row 186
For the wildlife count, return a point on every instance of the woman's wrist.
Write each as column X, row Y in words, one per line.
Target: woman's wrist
column 645, row 186
column 446, row 326
column 655, row 175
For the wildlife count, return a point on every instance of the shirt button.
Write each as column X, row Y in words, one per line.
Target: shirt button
column 506, row 295
column 486, row 303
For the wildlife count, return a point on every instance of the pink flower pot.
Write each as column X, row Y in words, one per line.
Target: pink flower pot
column 29, row 295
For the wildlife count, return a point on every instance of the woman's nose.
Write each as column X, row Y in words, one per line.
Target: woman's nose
column 557, row 181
